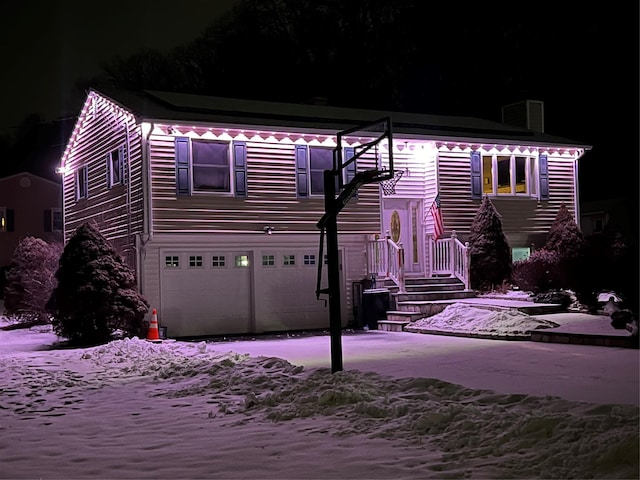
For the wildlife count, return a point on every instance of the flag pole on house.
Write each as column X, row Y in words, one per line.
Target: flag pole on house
column 436, row 213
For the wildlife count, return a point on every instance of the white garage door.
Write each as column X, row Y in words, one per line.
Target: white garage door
column 231, row 292
column 285, row 291
column 206, row 293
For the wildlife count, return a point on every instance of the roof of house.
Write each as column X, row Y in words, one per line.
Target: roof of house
column 179, row 107
column 17, row 176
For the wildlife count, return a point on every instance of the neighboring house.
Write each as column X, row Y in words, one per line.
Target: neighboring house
column 597, row 214
column 29, row 206
column 215, row 202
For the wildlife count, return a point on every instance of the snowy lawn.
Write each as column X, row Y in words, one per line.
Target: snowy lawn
column 184, row 410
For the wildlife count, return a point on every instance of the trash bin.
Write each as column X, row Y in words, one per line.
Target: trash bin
column 357, row 288
column 374, row 306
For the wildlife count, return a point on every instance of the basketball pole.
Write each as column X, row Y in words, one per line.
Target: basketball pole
column 333, row 272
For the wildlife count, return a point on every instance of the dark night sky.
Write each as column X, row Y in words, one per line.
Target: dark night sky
column 49, row 44
column 591, row 95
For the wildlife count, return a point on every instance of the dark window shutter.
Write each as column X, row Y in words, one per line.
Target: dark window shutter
column 47, row 220
column 182, row 166
column 476, row 175
column 11, row 220
column 109, row 170
column 350, row 170
column 240, row 168
column 302, row 183
column 543, row 168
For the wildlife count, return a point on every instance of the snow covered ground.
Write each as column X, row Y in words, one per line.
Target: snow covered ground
column 405, row 406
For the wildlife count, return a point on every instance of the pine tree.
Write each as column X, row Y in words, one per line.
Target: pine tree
column 489, row 250
column 96, row 295
column 30, row 280
column 565, row 236
column 566, row 239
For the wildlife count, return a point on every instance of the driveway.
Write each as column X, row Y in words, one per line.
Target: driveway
column 575, row 372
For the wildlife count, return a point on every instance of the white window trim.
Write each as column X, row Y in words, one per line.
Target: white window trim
column 194, row 190
column 531, row 175
column 80, row 178
column 119, row 167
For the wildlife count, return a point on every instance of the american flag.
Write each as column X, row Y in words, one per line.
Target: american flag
column 436, row 213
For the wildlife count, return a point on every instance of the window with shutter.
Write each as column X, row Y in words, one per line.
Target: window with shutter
column 504, row 175
column 210, row 166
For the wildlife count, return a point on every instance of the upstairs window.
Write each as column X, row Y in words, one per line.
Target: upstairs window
column 115, row 167
column 211, row 170
column 82, row 183
column 509, row 175
column 311, row 162
column 210, row 166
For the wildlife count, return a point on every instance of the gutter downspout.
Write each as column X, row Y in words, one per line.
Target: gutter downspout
column 128, row 142
column 147, row 231
column 577, row 187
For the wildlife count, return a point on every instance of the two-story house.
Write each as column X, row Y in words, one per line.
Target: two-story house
column 215, row 202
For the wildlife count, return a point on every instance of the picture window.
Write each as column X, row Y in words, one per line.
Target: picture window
column 508, row 175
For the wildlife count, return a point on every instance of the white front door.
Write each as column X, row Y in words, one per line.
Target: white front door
column 401, row 217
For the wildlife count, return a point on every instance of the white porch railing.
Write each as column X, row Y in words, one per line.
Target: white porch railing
column 445, row 256
column 448, row 256
column 385, row 258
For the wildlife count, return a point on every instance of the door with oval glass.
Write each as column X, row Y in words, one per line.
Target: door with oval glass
column 402, row 219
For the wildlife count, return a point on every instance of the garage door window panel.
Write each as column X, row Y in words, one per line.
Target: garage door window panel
column 241, row 261
column 172, row 261
column 268, row 260
column 195, row 261
column 218, row 261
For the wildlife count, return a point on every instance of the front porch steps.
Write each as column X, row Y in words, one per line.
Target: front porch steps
column 423, row 297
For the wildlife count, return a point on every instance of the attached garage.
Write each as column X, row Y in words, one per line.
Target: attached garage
column 227, row 292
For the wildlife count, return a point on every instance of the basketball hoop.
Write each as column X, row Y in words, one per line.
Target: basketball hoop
column 389, row 186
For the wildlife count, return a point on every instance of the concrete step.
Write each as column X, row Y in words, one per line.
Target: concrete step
column 392, row 325
column 432, row 296
column 435, row 287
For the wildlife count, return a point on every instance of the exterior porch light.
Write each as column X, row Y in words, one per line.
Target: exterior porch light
column 268, row 229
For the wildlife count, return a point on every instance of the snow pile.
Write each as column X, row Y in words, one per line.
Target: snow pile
column 465, row 319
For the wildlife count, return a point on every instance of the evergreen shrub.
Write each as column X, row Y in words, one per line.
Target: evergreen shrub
column 489, row 250
column 30, row 279
column 96, row 296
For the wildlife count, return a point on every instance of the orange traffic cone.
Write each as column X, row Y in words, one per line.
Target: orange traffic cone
column 152, row 333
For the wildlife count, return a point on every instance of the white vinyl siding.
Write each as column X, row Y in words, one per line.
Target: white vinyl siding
column 271, row 194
